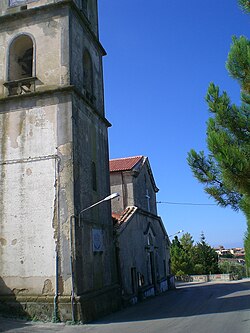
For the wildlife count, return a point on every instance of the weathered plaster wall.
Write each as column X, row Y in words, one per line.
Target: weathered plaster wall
column 92, row 18
column 142, row 184
column 6, row 9
column 51, row 54
column 132, row 188
column 30, row 140
column 135, row 252
column 26, row 224
column 54, row 136
column 122, row 183
column 81, row 40
column 95, row 270
column 91, row 14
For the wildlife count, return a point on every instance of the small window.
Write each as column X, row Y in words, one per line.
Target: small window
column 87, row 73
column 141, row 280
column 84, row 6
column 94, row 181
column 133, row 280
column 149, row 240
column 20, row 58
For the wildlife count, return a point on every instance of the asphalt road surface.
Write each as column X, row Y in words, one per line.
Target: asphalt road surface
column 198, row 308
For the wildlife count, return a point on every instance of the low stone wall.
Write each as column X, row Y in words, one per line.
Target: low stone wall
column 206, row 278
column 221, row 277
column 87, row 307
column 198, row 278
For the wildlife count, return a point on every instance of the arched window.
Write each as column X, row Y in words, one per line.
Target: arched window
column 150, row 239
column 21, row 53
column 21, row 77
column 87, row 74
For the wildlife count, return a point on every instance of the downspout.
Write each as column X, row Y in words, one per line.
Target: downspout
column 56, row 319
column 72, row 218
column 57, row 185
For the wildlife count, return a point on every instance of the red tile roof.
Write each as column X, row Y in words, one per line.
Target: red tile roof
column 124, row 164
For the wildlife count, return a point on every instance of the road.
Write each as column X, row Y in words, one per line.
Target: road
column 198, row 308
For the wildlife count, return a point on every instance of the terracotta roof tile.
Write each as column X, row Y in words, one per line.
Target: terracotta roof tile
column 124, row 164
column 124, row 217
column 116, row 216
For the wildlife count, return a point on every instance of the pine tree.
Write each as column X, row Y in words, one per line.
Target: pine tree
column 180, row 259
column 176, row 257
column 187, row 244
column 245, row 5
column 225, row 172
column 187, row 259
column 205, row 258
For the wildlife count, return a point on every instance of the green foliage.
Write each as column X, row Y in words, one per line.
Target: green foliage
column 206, row 170
column 187, row 242
column 181, row 255
column 226, row 267
column 238, row 62
column 198, row 269
column 187, row 258
column 245, row 5
column 225, row 172
column 178, row 260
column 227, row 255
column 205, row 257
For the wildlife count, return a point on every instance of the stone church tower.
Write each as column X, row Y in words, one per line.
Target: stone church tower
column 54, row 162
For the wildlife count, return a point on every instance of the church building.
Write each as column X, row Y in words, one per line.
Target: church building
column 54, row 260
column 142, row 243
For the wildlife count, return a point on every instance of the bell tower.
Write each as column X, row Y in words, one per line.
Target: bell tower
column 54, row 163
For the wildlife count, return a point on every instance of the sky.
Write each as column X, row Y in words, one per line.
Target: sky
column 161, row 57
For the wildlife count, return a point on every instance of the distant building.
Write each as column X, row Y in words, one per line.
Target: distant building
column 236, row 254
column 235, row 251
column 142, row 243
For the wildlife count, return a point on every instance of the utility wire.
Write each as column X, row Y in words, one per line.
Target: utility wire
column 185, row 203
column 181, row 203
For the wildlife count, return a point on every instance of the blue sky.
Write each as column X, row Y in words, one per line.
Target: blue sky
column 162, row 55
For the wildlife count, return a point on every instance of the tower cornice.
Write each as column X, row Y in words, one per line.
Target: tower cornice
column 63, row 90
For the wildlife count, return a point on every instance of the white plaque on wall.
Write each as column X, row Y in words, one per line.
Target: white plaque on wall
column 97, row 239
column 13, row 3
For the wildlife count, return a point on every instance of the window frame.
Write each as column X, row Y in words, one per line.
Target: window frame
column 20, row 85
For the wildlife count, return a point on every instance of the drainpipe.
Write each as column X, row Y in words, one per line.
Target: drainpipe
column 56, row 319
column 72, row 268
column 57, row 184
column 57, row 252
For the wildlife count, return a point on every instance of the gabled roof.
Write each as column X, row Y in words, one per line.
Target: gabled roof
column 124, row 164
column 120, row 221
column 134, row 163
